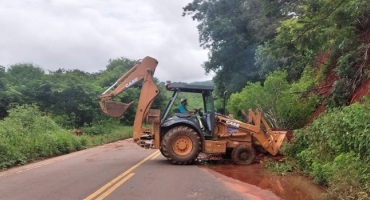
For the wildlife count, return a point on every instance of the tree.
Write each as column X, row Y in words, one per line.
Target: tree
column 70, row 96
column 338, row 28
column 231, row 30
column 279, row 102
column 3, row 95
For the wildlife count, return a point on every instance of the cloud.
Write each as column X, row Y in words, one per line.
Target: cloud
column 86, row 34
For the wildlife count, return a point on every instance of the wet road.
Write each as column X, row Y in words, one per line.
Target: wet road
column 120, row 170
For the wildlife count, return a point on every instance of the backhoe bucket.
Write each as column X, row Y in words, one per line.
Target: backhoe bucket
column 279, row 137
column 116, row 109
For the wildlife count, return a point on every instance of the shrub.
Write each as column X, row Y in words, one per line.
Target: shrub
column 335, row 151
column 282, row 104
column 28, row 134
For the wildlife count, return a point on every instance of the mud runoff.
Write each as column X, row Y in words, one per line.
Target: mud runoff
column 257, row 183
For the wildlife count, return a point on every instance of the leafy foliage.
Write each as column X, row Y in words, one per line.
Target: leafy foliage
column 231, row 30
column 37, row 108
column 274, row 54
column 288, row 36
column 277, row 100
column 69, row 96
column 28, row 134
column 341, row 139
column 337, row 28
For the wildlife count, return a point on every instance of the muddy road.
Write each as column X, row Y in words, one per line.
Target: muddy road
column 122, row 170
column 289, row 187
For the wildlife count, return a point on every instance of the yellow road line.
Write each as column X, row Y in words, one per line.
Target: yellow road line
column 100, row 190
column 155, row 156
column 114, row 187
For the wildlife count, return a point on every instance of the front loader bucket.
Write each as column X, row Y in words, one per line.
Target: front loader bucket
column 116, row 109
column 279, row 137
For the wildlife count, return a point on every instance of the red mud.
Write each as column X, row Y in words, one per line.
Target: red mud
column 325, row 87
column 248, row 190
column 360, row 92
column 324, row 90
column 77, row 132
column 257, row 183
column 317, row 113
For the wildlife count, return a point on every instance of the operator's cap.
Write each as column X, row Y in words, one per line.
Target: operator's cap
column 182, row 99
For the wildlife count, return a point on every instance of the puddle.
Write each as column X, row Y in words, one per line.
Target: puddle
column 289, row 187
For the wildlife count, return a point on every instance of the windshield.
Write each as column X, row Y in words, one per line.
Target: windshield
column 208, row 102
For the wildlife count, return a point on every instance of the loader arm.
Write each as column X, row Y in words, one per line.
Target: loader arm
column 142, row 71
column 257, row 127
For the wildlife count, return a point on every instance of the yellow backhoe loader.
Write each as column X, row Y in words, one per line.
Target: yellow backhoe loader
column 182, row 137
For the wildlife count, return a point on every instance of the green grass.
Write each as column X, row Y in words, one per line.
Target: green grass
column 334, row 151
column 27, row 135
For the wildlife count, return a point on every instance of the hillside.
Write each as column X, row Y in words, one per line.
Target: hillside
column 206, row 83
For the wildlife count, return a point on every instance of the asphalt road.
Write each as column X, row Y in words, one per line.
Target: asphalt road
column 120, row 170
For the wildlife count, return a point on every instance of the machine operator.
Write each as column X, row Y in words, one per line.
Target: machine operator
column 182, row 107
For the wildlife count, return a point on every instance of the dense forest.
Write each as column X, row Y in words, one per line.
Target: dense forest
column 40, row 110
column 294, row 59
column 300, row 62
column 68, row 96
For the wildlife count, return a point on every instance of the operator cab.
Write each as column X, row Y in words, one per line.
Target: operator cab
column 207, row 117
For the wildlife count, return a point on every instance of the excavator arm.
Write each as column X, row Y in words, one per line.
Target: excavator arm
column 141, row 72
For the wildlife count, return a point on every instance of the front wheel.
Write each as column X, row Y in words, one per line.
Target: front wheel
column 243, row 155
column 181, row 145
column 161, row 150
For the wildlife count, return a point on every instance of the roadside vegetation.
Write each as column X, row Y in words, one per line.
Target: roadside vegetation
column 287, row 58
column 281, row 103
column 292, row 60
column 27, row 134
column 335, row 151
column 40, row 111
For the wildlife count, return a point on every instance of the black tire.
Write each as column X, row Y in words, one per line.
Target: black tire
column 161, row 150
column 243, row 155
column 181, row 145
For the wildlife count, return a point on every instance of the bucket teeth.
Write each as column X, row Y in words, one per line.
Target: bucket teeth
column 116, row 109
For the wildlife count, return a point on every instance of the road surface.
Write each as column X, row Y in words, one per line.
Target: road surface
column 120, row 170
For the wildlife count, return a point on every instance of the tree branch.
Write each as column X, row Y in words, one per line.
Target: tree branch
column 315, row 25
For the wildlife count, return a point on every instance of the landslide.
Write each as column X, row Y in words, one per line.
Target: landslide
column 333, row 147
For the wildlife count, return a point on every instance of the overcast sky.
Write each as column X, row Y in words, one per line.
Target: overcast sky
column 85, row 34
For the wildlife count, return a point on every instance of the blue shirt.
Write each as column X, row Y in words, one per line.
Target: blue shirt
column 182, row 108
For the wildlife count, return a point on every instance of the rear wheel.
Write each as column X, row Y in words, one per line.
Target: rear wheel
column 181, row 145
column 243, row 155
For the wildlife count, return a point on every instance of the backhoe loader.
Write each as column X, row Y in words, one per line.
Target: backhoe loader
column 182, row 137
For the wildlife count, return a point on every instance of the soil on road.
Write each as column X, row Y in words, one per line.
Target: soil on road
column 120, row 170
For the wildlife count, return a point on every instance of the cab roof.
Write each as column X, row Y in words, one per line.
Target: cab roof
column 183, row 87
